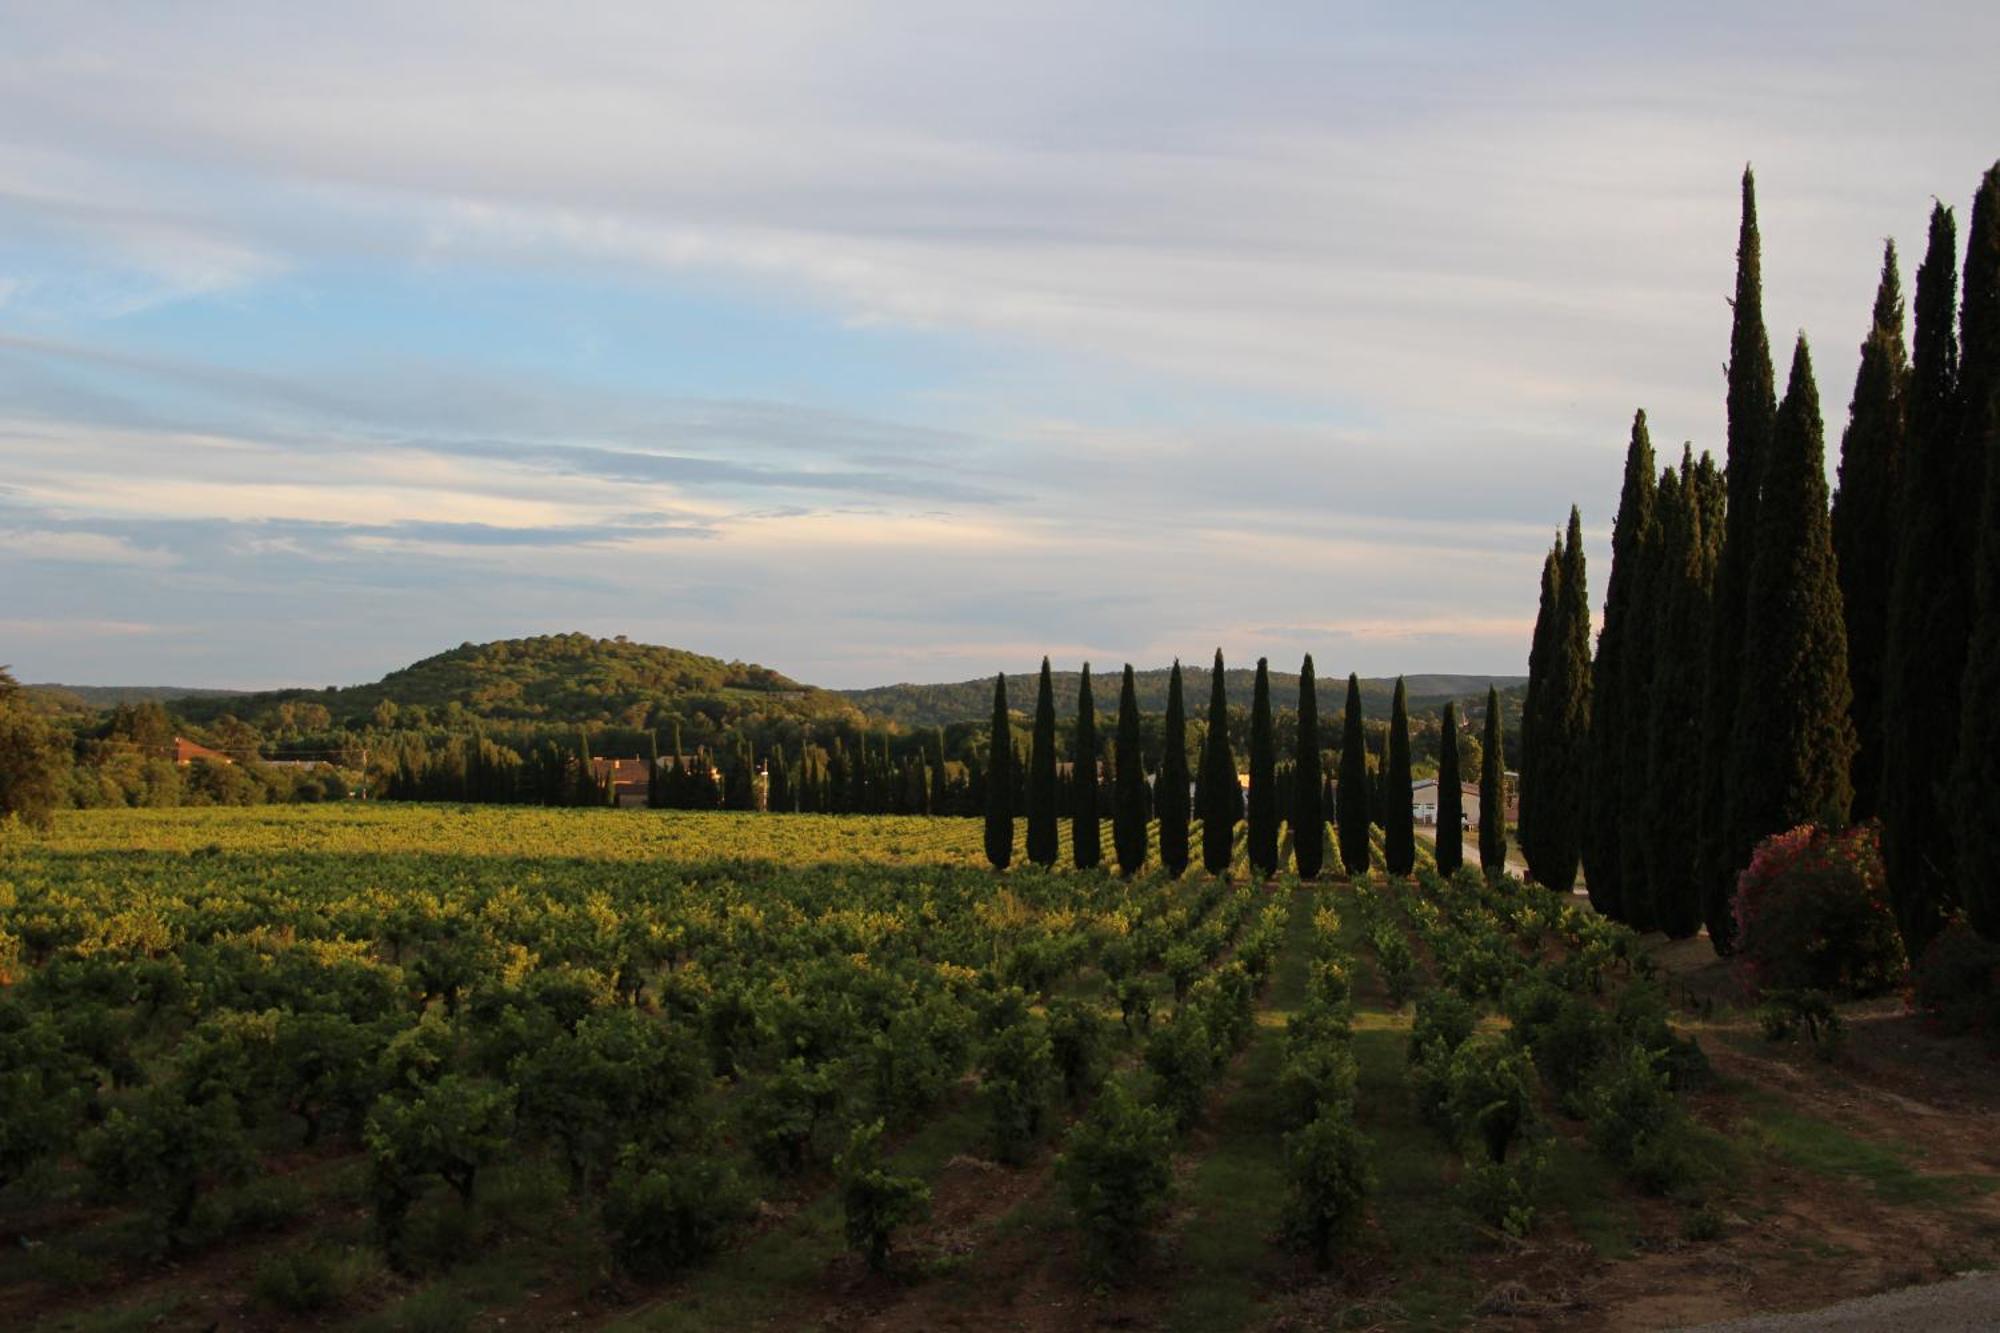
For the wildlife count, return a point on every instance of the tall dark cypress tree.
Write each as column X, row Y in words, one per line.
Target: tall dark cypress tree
column 1555, row 739
column 1930, row 608
column 1450, row 841
column 999, row 781
column 1976, row 784
column 1128, row 817
column 1671, row 746
column 1086, row 849
column 1560, row 745
column 1794, row 740
column 1493, row 791
column 1262, row 838
column 1617, row 684
column 1308, row 782
column 1864, row 522
column 1171, row 788
column 1350, row 798
column 1222, row 796
column 940, row 793
column 1399, row 833
column 653, row 792
column 1042, row 796
column 1753, row 407
column 1535, row 707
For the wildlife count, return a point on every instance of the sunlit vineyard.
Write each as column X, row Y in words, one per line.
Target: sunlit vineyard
column 419, row 1067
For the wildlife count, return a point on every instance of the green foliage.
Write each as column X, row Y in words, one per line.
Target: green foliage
column 1221, row 796
column 1000, row 781
column 1620, row 676
column 1504, row 1194
column 1448, row 844
column 1669, row 774
column 1399, row 835
column 1556, row 718
column 781, row 1115
column 1042, row 800
column 1129, row 799
column 1752, row 409
column 448, row 1131
column 1183, row 1061
column 1443, row 1019
column 1490, row 1094
column 1086, row 853
column 1318, row 1077
column 1492, row 792
column 1018, row 1070
column 1116, row 1168
column 665, row 1216
column 1976, row 778
column 1794, row 736
column 1172, row 789
column 1261, row 811
column 873, row 1202
column 1327, row 1169
column 1308, row 808
column 1351, row 796
column 32, row 764
column 313, row 1281
column 1077, row 1044
column 1784, row 1014
column 1635, row 1121
column 1394, row 961
column 159, row 1148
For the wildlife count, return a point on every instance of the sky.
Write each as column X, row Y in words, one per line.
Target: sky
column 900, row 342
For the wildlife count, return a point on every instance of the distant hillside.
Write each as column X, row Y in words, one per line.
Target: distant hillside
column 110, row 696
column 971, row 700
column 559, row 678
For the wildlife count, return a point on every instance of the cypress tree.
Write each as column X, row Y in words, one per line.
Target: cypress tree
column 1671, row 745
column 1042, row 796
column 1170, row 791
column 1864, row 522
column 1929, row 614
column 1351, row 796
column 1617, row 685
column 1086, row 842
column 1222, row 797
column 940, row 796
column 1752, row 413
column 1128, row 827
column 1977, row 779
column 1569, row 714
column 652, row 770
column 1540, row 682
column 1262, row 840
column 1493, row 792
column 1308, row 815
column 1450, row 841
column 1399, row 833
column 1794, row 738
column 999, row 781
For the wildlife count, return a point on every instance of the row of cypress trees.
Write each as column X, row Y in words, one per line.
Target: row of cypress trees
column 1213, row 792
column 1769, row 659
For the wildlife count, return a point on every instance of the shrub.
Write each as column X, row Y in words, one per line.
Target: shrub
column 1076, row 1039
column 873, row 1202
column 781, row 1115
column 1956, row 984
column 1182, row 1058
column 664, row 1217
column 1395, row 962
column 1443, row 1018
column 1317, row 1077
column 1504, row 1194
column 1019, row 1069
column 1491, row 1094
column 312, row 1281
column 1812, row 914
column 1570, row 1038
column 1635, row 1121
column 1327, row 1165
column 1135, row 1003
column 1116, row 1169
column 1785, row 1013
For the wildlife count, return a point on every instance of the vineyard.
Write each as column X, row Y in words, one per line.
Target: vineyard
column 426, row 1067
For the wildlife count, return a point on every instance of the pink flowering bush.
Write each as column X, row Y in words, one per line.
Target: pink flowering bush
column 1956, row 984
column 1812, row 914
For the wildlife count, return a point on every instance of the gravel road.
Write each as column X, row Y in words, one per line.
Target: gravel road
column 1964, row 1305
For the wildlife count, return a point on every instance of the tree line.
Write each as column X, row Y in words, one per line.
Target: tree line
column 1771, row 656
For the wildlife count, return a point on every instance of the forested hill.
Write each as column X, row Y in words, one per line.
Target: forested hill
column 969, row 700
column 556, row 678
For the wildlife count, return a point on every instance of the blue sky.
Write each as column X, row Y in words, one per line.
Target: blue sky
column 884, row 342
